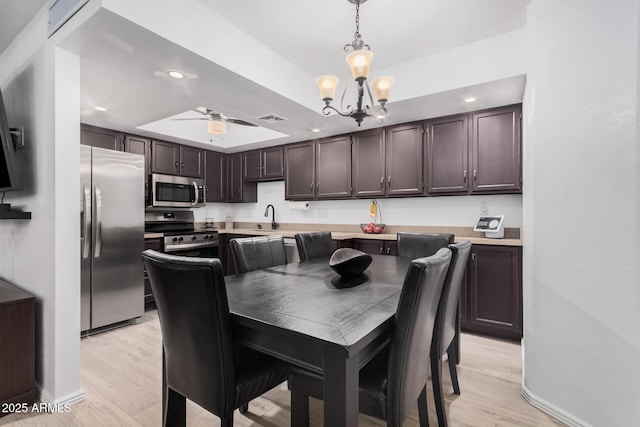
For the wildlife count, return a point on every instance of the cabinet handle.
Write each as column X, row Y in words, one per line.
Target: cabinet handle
column 182, row 165
column 258, row 167
column 389, row 180
column 176, row 164
column 380, row 250
column 311, row 187
column 475, row 175
column 473, row 257
column 318, row 186
column 388, row 251
column 464, row 177
column 381, row 181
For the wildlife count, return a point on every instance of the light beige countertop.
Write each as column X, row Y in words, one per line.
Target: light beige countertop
column 347, row 231
column 153, row 235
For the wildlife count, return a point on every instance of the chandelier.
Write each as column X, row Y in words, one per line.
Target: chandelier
column 359, row 60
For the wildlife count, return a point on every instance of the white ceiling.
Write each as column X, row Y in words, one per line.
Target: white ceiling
column 124, row 64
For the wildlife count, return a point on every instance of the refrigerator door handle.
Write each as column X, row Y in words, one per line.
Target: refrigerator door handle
column 98, row 247
column 86, row 226
column 195, row 194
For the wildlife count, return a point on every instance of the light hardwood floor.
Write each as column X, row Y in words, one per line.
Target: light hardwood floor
column 121, row 378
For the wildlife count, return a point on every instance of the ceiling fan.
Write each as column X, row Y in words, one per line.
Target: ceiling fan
column 217, row 121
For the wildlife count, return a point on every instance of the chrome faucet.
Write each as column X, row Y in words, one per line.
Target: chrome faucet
column 274, row 225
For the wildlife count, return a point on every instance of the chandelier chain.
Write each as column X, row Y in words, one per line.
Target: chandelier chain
column 357, row 19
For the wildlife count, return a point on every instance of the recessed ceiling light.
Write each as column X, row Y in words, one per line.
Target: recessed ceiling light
column 97, row 108
column 470, row 99
column 176, row 74
column 316, row 130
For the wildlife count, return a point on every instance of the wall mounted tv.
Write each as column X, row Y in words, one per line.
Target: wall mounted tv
column 9, row 173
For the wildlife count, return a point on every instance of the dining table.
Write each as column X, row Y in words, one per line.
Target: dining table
column 307, row 315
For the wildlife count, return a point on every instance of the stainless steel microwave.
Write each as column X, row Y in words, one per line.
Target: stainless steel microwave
column 176, row 191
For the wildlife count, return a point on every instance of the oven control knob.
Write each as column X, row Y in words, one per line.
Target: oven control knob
column 194, row 238
column 175, row 239
column 206, row 237
column 211, row 237
column 180, row 239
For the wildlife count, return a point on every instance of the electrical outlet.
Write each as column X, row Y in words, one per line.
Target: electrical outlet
column 484, row 208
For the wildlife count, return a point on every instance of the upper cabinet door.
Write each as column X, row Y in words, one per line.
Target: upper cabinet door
column 404, row 160
column 251, row 167
column 191, row 162
column 333, row 168
column 447, row 155
column 273, row 163
column 101, row 138
column 137, row 145
column 215, row 176
column 165, row 158
column 299, row 171
column 234, row 165
column 369, row 178
column 496, row 150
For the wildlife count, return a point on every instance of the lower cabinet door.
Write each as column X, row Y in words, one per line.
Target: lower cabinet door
column 494, row 291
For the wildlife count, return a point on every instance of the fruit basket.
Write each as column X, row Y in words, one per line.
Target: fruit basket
column 373, row 227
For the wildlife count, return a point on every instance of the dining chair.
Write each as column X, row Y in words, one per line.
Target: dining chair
column 446, row 327
column 201, row 361
column 417, row 245
column 256, row 253
column 314, row 245
column 392, row 382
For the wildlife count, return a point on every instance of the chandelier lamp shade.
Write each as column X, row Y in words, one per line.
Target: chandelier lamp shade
column 359, row 61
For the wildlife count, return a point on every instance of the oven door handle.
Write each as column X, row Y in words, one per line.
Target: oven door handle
column 187, row 246
column 195, row 194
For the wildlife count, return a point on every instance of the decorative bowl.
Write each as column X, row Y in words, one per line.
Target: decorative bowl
column 349, row 262
column 368, row 229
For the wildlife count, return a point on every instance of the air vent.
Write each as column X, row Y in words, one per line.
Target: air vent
column 271, row 119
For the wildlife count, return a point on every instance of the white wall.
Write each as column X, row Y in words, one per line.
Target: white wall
column 462, row 211
column 581, row 168
column 41, row 88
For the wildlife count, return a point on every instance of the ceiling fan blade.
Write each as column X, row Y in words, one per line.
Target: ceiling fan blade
column 194, row 118
column 240, row 122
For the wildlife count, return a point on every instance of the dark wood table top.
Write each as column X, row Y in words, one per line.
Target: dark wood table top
column 309, row 298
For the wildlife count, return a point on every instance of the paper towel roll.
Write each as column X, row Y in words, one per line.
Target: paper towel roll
column 299, row 206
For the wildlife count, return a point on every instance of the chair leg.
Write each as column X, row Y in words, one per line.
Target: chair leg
column 226, row 421
column 176, row 410
column 244, row 408
column 438, row 396
column 453, row 371
column 423, row 411
column 299, row 409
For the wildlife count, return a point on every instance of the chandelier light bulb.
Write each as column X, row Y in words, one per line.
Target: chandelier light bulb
column 327, row 86
column 382, row 88
column 359, row 61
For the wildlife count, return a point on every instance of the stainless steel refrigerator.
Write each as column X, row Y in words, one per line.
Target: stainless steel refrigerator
column 111, row 237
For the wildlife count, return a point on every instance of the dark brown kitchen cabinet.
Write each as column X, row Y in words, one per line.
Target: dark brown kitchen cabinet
column 191, row 162
column 496, row 150
column 493, row 297
column 174, row 159
column 333, row 168
column 447, row 155
column 138, row 145
column 299, row 178
column 17, row 347
column 266, row 164
column 101, row 138
column 215, row 176
column 404, row 161
column 369, row 164
column 239, row 190
column 374, row 246
column 165, row 158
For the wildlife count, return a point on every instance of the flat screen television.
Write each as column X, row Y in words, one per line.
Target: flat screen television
column 9, row 173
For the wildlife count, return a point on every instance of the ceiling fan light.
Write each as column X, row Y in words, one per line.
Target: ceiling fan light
column 216, row 127
column 382, row 88
column 327, row 86
column 359, row 61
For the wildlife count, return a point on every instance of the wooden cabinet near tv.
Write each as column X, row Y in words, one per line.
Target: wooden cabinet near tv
column 496, row 150
column 493, row 297
column 299, row 170
column 174, row 159
column 333, row 168
column 447, row 159
column 17, row 346
column 215, row 176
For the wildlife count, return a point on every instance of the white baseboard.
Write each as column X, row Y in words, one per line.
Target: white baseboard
column 71, row 398
column 552, row 410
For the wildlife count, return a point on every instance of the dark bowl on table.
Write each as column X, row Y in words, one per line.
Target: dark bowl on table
column 349, row 262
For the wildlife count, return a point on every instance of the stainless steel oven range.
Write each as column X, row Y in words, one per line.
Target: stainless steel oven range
column 180, row 236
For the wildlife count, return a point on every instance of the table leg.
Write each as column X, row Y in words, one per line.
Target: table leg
column 340, row 390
